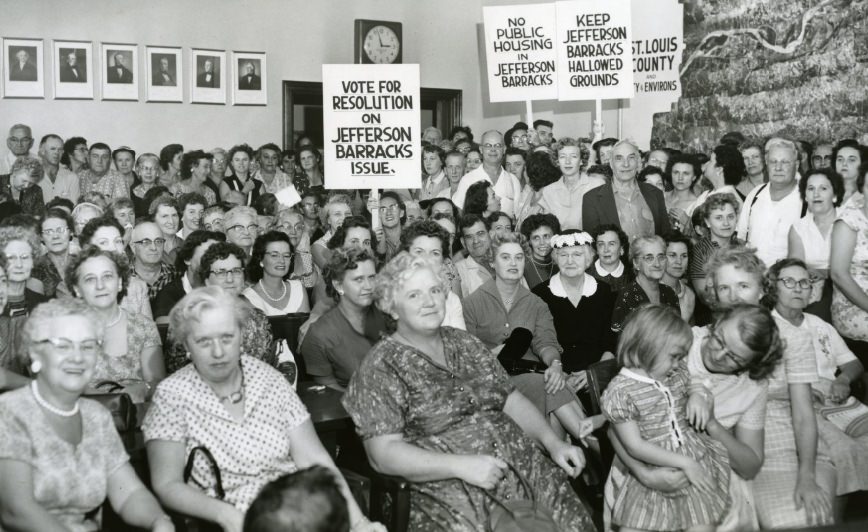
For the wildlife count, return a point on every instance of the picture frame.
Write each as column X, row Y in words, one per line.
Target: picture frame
column 120, row 71
column 73, row 70
column 250, row 80
column 165, row 74
column 208, row 76
column 23, row 72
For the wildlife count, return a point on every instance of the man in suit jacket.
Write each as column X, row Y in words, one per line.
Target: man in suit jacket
column 250, row 81
column 71, row 72
column 637, row 208
column 22, row 69
column 163, row 77
column 208, row 79
column 119, row 73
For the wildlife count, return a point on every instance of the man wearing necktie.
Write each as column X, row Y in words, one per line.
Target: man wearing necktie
column 249, row 81
column 71, row 71
column 21, row 69
column 207, row 79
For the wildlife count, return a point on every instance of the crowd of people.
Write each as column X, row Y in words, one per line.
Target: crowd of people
column 459, row 320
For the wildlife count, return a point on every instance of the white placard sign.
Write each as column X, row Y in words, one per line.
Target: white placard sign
column 371, row 126
column 521, row 52
column 595, row 59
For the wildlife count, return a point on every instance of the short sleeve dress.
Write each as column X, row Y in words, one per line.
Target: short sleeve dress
column 455, row 409
column 69, row 481
column 142, row 333
column 659, row 410
column 850, row 320
column 249, row 453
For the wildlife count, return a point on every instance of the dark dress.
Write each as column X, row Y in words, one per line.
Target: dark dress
column 456, row 409
column 30, row 199
column 633, row 297
column 25, row 306
column 235, row 184
column 584, row 331
column 46, row 272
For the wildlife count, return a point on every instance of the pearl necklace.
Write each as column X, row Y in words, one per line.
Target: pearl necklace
column 264, row 291
column 50, row 407
column 115, row 321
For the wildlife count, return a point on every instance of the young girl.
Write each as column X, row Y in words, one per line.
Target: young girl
column 646, row 404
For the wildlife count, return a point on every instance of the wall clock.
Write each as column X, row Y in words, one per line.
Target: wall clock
column 378, row 42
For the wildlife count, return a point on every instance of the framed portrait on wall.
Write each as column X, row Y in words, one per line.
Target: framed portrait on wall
column 120, row 71
column 249, row 83
column 23, row 73
column 165, row 75
column 73, row 69
column 208, row 76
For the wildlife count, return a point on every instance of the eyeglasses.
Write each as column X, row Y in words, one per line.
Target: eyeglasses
column 57, row 231
column 252, row 228
column 519, row 137
column 147, row 242
column 66, row 347
column 651, row 259
column 228, row 274
column 297, row 228
column 492, row 146
column 791, row 283
column 717, row 343
column 276, row 255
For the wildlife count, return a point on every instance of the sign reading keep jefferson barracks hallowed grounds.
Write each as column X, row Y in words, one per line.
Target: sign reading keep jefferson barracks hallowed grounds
column 371, row 126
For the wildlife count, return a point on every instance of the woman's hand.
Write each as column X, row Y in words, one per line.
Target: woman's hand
column 664, row 479
column 231, row 519
column 373, row 203
column 816, row 502
column 483, row 471
column 249, row 185
column 839, row 391
column 578, row 381
column 679, row 218
column 699, row 477
column 554, row 378
column 699, row 410
column 569, row 457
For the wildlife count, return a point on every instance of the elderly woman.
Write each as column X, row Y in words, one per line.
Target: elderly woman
column 848, row 267
column 432, row 405
column 218, row 170
column 336, row 343
column 239, row 187
column 20, row 246
column 810, row 238
column 796, row 484
column 164, row 212
column 611, row 245
column 514, row 323
column 170, row 164
column 148, row 169
column 308, row 177
column 338, row 207
column 648, row 255
column 241, row 227
column 60, row 455
column 131, row 353
column 302, row 268
column 195, row 169
column 20, row 188
column 12, row 373
column 580, row 306
column 222, row 265
column 269, row 269
column 57, row 231
column 789, row 289
column 225, row 391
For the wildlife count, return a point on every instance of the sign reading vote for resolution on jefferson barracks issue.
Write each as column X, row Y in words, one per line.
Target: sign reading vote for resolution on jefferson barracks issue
column 371, row 130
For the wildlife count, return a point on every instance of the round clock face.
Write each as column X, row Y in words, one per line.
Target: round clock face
column 382, row 45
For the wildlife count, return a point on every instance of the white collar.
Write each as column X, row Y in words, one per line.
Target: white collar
column 619, row 271
column 589, row 286
column 185, row 283
column 627, row 372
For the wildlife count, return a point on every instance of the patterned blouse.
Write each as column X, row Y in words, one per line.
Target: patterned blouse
column 249, row 453
column 184, row 187
column 45, row 271
column 141, row 334
column 633, row 296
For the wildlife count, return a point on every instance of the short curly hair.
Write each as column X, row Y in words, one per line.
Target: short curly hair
column 191, row 160
column 535, row 221
column 509, row 238
column 60, row 214
column 428, row 228
column 341, row 261
column 12, row 233
column 122, row 267
column 740, row 257
column 91, row 227
column 219, row 251
column 235, row 149
column 254, row 268
column 719, row 201
column 54, row 308
column 541, row 171
column 834, row 178
column 187, row 313
column 759, row 332
column 476, row 199
column 339, row 238
column 773, row 275
column 167, row 154
column 392, row 277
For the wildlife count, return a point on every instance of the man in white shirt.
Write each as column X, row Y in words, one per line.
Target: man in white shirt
column 770, row 209
column 57, row 181
column 19, row 142
column 505, row 185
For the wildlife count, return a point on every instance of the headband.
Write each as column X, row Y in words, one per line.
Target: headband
column 572, row 239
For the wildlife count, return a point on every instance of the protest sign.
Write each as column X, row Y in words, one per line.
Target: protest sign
column 520, row 52
column 595, row 57
column 371, row 126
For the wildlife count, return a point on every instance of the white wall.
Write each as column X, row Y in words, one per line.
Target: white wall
column 444, row 36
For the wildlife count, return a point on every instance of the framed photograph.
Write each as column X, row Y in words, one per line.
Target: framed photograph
column 165, row 75
column 23, row 75
column 120, row 71
column 249, row 84
column 73, row 70
column 208, row 76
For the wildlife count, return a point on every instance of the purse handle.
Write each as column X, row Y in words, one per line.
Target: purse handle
column 188, row 469
column 113, row 386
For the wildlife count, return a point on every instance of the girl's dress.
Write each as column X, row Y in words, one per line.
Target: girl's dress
column 659, row 410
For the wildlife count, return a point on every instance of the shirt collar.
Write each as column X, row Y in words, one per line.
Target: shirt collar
column 185, row 283
column 619, row 271
column 589, row 286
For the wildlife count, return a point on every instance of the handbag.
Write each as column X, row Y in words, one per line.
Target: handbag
column 119, row 404
column 195, row 524
column 519, row 515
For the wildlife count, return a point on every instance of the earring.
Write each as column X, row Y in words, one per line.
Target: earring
column 189, row 355
column 35, row 367
column 340, row 292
